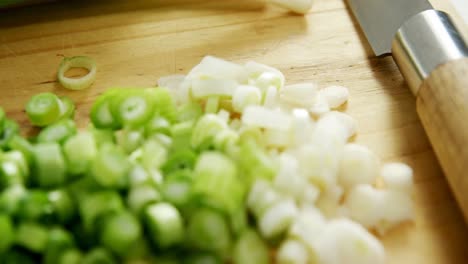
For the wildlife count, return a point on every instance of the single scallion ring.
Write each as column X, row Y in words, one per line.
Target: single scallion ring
column 77, row 62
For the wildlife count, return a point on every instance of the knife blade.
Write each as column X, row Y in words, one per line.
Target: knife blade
column 432, row 55
column 381, row 19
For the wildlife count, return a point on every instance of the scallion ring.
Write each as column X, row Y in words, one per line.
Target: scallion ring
column 77, row 62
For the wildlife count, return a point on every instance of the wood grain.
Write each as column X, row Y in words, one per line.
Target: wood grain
column 442, row 105
column 135, row 42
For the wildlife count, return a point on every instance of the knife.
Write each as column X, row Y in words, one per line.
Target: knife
column 431, row 54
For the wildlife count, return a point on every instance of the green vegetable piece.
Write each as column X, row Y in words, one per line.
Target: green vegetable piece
column 62, row 204
column 70, row 256
column 97, row 204
column 205, row 131
column 10, row 129
column 49, row 165
column 67, row 108
column 35, row 206
column 189, row 112
column 24, row 146
column 212, row 105
column 180, row 159
column 18, row 255
column 165, row 224
column 101, row 114
column 20, row 160
column 208, row 230
column 203, row 258
column 32, row 236
column 7, row 233
column 57, row 132
column 43, row 109
column 120, row 231
column 157, row 124
column 164, row 104
column 181, row 135
column 238, row 221
column 255, row 162
column 98, row 256
column 11, row 199
column 141, row 196
column 110, row 167
column 216, row 180
column 102, row 136
column 251, row 249
column 60, row 240
column 132, row 108
column 154, row 154
column 177, row 191
column 10, row 174
column 2, row 119
column 129, row 139
column 80, row 150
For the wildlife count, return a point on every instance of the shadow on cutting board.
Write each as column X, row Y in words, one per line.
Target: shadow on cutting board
column 63, row 10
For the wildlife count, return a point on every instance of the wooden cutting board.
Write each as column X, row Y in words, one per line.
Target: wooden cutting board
column 135, row 42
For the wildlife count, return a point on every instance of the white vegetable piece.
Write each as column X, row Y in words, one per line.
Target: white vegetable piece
column 301, row 95
column 244, row 96
column 171, row 82
column 344, row 241
column 307, row 226
column 335, row 125
column 215, row 68
column 278, row 218
column 329, row 201
column 259, row 116
column 310, row 195
column 381, row 209
column 289, row 181
column 298, row 6
column 359, row 165
column 224, row 115
column 335, row 95
column 276, row 138
column 255, row 69
column 268, row 79
column 364, row 205
column 271, row 97
column 303, row 127
column 177, row 86
column 292, row 252
column 319, row 106
column 319, row 164
column 398, row 176
column 235, row 124
column 261, row 197
column 203, row 88
column 398, row 208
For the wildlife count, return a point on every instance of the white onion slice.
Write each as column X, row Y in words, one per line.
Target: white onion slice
column 215, row 68
column 77, row 62
column 335, row 95
column 302, row 94
column 203, row 88
column 344, row 241
column 259, row 116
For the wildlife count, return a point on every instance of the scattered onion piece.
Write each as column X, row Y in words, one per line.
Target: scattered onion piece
column 77, row 62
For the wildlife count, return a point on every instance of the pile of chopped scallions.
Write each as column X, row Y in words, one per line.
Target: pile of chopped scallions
column 224, row 164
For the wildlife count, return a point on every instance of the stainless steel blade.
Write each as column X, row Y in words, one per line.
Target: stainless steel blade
column 380, row 19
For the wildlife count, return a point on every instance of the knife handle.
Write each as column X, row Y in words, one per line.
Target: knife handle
column 442, row 105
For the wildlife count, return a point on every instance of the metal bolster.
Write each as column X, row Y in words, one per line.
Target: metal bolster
column 424, row 42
